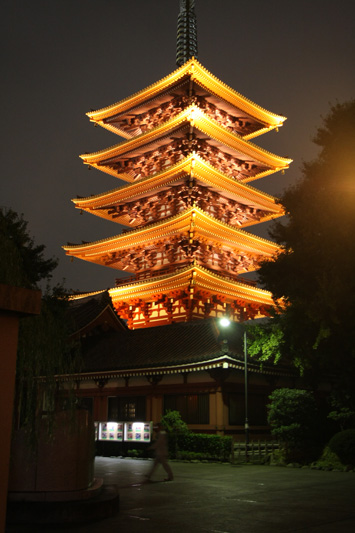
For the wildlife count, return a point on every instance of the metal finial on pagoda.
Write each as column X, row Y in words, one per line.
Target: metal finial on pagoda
column 186, row 45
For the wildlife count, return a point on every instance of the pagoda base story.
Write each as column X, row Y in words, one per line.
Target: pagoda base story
column 149, row 314
column 192, row 293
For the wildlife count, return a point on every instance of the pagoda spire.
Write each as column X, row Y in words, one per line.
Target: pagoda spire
column 186, row 44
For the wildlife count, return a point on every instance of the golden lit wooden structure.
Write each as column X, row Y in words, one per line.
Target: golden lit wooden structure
column 187, row 160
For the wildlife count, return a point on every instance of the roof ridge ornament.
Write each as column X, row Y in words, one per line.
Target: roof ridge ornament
column 186, row 43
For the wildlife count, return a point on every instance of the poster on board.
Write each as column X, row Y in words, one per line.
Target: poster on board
column 138, row 431
column 112, row 431
column 124, row 431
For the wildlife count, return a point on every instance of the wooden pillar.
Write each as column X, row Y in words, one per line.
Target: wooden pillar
column 157, row 407
column 149, row 407
column 15, row 302
column 213, row 411
column 102, row 408
column 219, row 412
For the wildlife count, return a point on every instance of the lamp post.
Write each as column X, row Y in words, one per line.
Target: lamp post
column 246, row 422
column 225, row 322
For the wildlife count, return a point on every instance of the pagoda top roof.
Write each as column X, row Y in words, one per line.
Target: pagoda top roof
column 196, row 72
column 194, row 165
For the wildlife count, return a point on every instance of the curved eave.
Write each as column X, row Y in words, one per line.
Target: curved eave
column 196, row 118
column 82, row 295
column 201, row 170
column 203, row 280
column 153, row 370
column 96, row 320
column 200, row 73
column 123, row 221
column 126, row 135
column 130, row 180
column 204, row 224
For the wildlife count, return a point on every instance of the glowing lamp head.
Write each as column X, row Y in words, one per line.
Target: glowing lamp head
column 224, row 322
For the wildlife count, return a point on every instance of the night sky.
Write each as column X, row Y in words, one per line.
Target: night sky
column 66, row 57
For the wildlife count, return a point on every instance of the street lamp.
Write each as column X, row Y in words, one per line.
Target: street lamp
column 246, row 422
column 225, row 322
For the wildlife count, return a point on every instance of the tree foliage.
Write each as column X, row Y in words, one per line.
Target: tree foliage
column 292, row 414
column 267, row 341
column 22, row 262
column 44, row 349
column 343, row 445
column 294, row 420
column 173, row 423
column 314, row 273
column 342, row 410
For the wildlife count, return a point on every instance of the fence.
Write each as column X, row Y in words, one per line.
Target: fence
column 254, row 452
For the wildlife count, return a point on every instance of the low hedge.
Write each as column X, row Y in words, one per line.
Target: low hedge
column 214, row 447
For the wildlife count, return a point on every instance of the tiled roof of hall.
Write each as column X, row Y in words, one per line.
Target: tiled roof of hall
column 174, row 348
column 85, row 311
column 197, row 71
column 210, row 127
column 174, row 344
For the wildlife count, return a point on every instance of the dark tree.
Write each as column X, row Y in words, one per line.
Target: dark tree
column 43, row 348
column 294, row 420
column 292, row 414
column 22, row 262
column 315, row 273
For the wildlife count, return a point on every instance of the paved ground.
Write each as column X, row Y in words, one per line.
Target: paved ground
column 222, row 498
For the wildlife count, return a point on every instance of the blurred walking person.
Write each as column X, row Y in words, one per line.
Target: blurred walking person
column 160, row 447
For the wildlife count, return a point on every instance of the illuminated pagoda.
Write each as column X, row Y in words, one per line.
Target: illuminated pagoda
column 187, row 160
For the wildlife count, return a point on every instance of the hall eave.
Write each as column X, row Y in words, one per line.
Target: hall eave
column 220, row 361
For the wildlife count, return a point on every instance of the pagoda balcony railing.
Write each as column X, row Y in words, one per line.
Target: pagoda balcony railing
column 169, row 269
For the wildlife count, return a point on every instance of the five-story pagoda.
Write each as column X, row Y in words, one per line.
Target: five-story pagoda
column 187, row 160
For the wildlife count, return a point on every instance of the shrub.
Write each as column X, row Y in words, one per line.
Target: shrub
column 209, row 446
column 185, row 444
column 174, row 426
column 135, row 453
column 292, row 415
column 173, row 423
column 328, row 460
column 343, row 445
column 194, row 456
column 343, row 411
